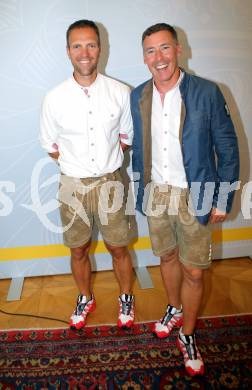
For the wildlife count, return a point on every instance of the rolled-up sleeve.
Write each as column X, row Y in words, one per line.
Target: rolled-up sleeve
column 126, row 126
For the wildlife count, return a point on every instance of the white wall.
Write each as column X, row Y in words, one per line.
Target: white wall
column 216, row 35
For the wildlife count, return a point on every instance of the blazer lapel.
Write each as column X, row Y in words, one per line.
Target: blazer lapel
column 145, row 104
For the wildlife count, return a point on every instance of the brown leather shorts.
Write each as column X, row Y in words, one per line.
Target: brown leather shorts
column 172, row 225
column 89, row 201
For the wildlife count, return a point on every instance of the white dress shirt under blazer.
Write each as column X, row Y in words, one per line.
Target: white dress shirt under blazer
column 167, row 161
column 87, row 126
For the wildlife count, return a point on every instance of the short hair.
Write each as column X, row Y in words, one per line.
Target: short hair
column 83, row 23
column 160, row 27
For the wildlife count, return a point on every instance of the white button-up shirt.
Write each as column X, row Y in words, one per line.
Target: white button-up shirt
column 167, row 161
column 86, row 124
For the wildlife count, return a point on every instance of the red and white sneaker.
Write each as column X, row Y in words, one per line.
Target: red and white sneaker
column 192, row 358
column 126, row 311
column 83, row 307
column 173, row 317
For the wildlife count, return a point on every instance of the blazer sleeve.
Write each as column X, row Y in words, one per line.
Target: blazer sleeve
column 227, row 152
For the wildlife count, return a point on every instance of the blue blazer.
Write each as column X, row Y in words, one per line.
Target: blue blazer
column 208, row 143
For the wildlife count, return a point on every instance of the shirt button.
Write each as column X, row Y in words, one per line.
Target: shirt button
column 90, row 112
column 91, row 128
column 165, row 114
column 165, row 166
column 92, row 144
column 92, row 159
column 165, row 132
column 165, row 148
column 112, row 115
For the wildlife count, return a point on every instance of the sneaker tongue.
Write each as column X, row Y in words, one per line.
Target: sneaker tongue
column 126, row 298
column 83, row 299
column 187, row 339
column 172, row 309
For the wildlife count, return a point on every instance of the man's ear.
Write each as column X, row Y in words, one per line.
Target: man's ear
column 179, row 49
column 144, row 58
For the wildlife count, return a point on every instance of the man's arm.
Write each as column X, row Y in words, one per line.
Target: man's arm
column 126, row 132
column 48, row 130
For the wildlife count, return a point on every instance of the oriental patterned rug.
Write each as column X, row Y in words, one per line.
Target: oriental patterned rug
column 104, row 357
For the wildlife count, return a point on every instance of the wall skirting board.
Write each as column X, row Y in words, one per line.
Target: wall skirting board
column 21, row 262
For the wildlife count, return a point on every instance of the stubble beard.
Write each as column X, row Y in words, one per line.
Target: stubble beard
column 86, row 72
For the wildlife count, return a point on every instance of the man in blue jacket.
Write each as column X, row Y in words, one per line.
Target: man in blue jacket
column 185, row 150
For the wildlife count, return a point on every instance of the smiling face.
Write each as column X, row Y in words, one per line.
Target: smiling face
column 84, row 50
column 161, row 52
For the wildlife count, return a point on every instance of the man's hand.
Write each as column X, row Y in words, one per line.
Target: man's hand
column 124, row 146
column 217, row 216
column 54, row 155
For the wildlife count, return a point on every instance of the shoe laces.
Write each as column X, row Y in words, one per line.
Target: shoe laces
column 80, row 306
column 190, row 345
column 126, row 305
column 171, row 311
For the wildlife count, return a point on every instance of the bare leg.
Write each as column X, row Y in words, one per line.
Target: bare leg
column 122, row 266
column 171, row 272
column 183, row 285
column 81, row 268
column 191, row 294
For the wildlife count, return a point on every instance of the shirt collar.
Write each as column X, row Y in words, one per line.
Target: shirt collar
column 181, row 75
column 90, row 87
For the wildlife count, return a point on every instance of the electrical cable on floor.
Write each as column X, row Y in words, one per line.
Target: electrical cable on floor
column 33, row 316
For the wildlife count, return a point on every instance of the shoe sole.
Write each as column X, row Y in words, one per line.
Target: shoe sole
column 128, row 324
column 189, row 370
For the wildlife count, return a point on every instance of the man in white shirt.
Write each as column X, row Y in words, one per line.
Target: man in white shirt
column 86, row 126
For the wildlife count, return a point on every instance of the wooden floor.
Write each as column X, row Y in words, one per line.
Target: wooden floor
column 228, row 290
